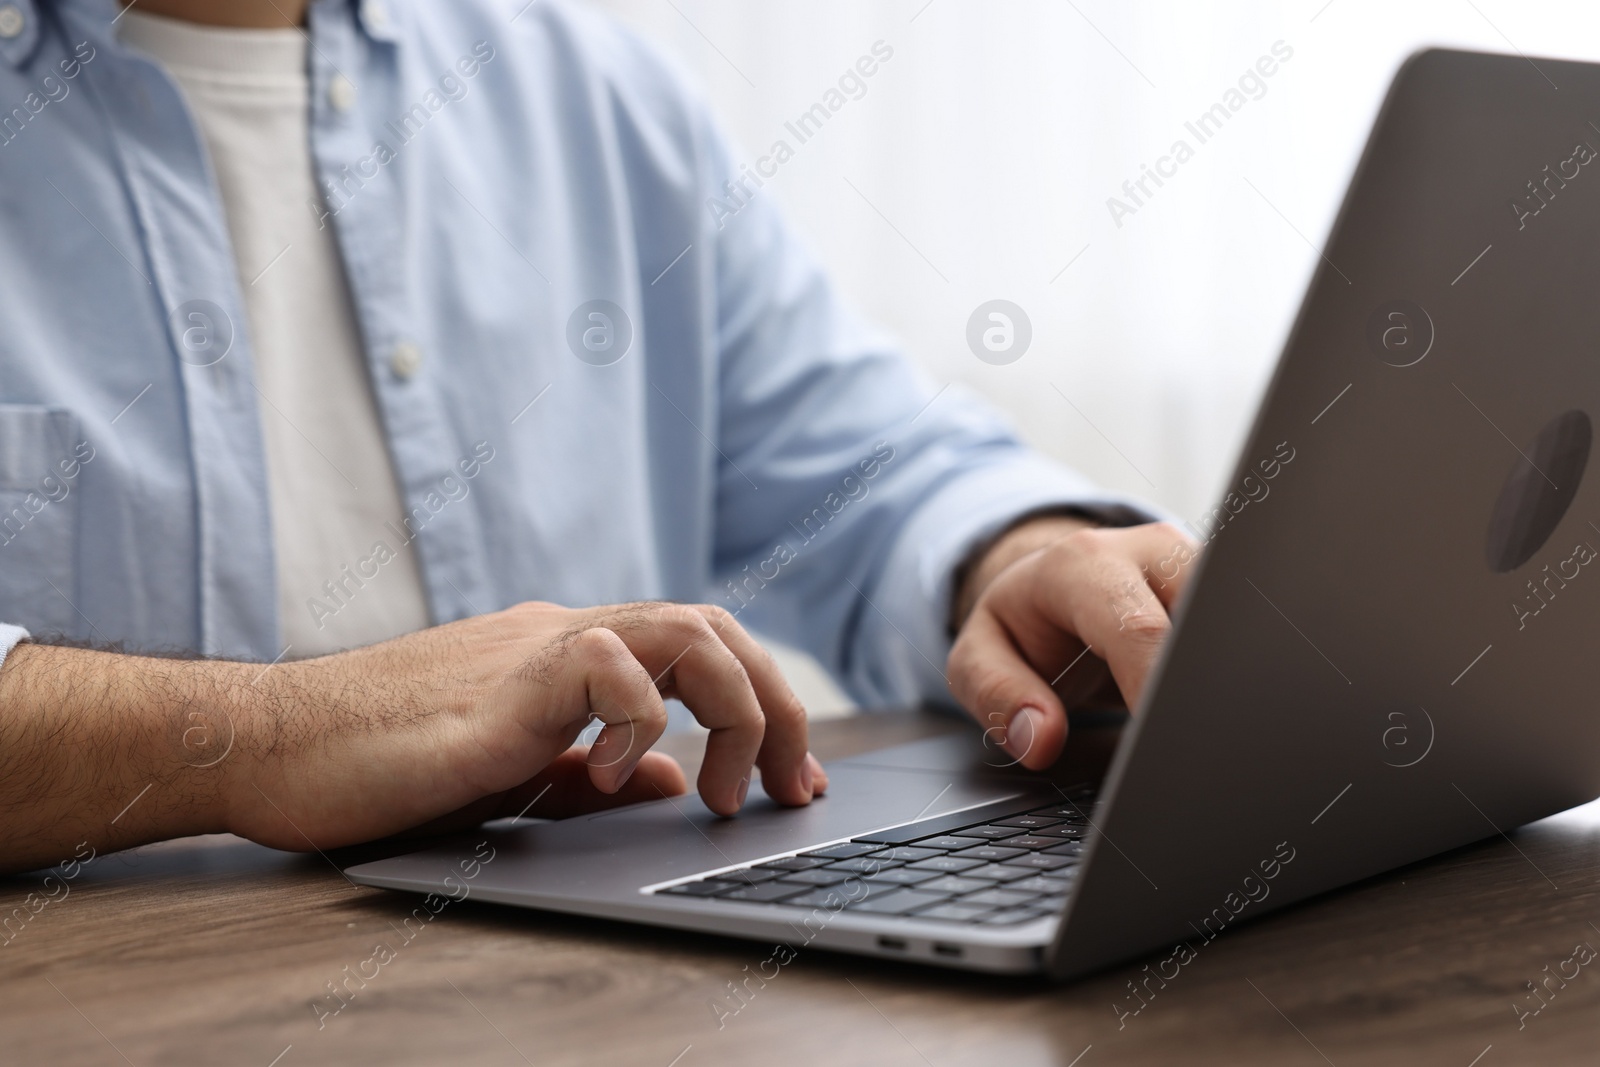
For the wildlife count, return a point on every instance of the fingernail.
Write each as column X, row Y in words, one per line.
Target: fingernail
column 627, row 772
column 744, row 790
column 819, row 777
column 808, row 777
column 1022, row 729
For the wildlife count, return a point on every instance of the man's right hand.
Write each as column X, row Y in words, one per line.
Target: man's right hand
column 434, row 722
column 447, row 726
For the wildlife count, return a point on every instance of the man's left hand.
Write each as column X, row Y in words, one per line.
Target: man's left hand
column 1057, row 613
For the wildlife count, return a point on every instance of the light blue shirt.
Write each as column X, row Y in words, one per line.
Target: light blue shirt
column 751, row 444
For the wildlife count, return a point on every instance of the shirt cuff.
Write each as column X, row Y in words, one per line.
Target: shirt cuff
column 915, row 592
column 11, row 637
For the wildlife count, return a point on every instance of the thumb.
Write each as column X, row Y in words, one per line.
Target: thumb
column 1016, row 708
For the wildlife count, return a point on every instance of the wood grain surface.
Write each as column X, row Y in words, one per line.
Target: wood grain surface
column 215, row 951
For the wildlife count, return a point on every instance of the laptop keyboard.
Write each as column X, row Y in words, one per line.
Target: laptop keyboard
column 988, row 866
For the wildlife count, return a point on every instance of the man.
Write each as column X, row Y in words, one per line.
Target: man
column 388, row 357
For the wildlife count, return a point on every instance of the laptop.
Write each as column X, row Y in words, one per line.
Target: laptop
column 1386, row 651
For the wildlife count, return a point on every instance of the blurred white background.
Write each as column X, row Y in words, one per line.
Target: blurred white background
column 979, row 160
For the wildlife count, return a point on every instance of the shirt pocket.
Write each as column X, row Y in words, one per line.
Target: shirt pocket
column 41, row 457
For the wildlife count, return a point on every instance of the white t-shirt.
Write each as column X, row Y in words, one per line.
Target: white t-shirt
column 332, row 480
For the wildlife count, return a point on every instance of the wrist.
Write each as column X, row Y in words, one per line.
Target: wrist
column 186, row 744
column 263, row 719
column 229, row 729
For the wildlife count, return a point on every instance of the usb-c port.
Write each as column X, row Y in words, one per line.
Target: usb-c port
column 941, row 949
column 895, row 943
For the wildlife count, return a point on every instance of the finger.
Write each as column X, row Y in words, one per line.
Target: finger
column 1088, row 612
column 564, row 788
column 1016, row 707
column 687, row 660
column 1083, row 679
column 1162, row 553
column 618, row 691
column 1167, row 555
column 1102, row 595
column 819, row 776
column 787, row 774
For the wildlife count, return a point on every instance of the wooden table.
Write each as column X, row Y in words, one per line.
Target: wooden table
column 212, row 950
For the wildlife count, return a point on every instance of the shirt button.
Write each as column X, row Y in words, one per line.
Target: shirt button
column 405, row 360
column 11, row 20
column 342, row 93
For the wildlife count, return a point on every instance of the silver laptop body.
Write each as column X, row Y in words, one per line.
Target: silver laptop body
column 1387, row 650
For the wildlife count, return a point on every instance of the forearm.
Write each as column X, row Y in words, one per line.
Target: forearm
column 112, row 750
column 449, row 723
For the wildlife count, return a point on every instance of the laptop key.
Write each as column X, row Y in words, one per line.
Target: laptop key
column 794, row 863
column 1071, row 831
column 842, row 851
column 867, row 865
column 1040, row 861
column 1030, row 841
column 990, row 853
column 1013, row 916
column 945, row 842
column 1028, row 822
column 698, row 889
column 749, row 876
column 898, row 903
column 943, row 824
column 903, row 876
column 954, row 883
column 1066, row 848
column 905, row 853
column 765, row 893
column 824, row 876
column 998, row 898
column 947, row 864
column 999, row 872
column 953, row 913
column 829, row 898
column 988, row 833
column 1068, row 812
column 1052, row 887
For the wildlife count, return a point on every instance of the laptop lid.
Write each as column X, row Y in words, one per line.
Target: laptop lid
column 1389, row 645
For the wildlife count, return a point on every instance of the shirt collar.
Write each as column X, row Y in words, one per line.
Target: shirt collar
column 377, row 19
